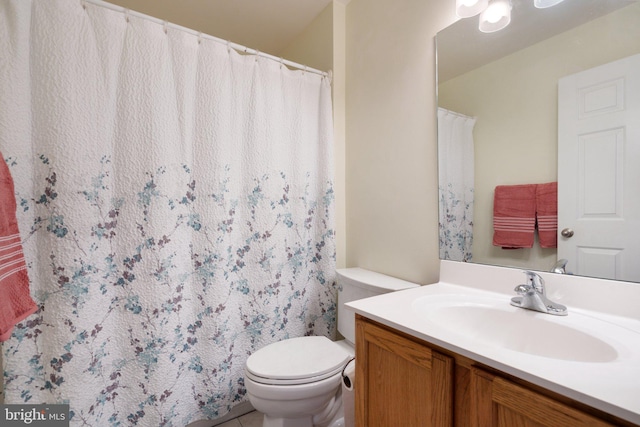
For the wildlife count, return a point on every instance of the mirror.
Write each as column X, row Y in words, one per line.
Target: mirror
column 508, row 82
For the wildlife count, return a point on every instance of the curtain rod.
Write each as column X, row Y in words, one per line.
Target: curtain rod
column 235, row 46
column 453, row 113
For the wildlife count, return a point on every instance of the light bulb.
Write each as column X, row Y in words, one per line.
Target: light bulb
column 496, row 16
column 469, row 8
column 493, row 15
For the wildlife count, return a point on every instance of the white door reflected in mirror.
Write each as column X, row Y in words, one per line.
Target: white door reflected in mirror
column 599, row 181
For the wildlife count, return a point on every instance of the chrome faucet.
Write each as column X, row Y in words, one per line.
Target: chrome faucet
column 534, row 297
column 560, row 266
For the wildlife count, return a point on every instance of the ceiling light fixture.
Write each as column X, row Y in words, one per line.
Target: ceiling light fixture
column 496, row 16
column 469, row 8
column 542, row 4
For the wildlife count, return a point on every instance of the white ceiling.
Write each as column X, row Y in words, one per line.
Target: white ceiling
column 266, row 25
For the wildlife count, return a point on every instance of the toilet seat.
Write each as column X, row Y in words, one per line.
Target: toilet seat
column 293, row 361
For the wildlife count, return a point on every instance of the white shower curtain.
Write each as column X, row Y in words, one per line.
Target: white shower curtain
column 456, row 184
column 176, row 207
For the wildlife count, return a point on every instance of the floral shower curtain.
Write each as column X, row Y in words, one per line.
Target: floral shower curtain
column 175, row 203
column 456, row 184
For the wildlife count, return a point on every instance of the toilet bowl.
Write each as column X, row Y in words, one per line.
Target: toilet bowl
column 297, row 382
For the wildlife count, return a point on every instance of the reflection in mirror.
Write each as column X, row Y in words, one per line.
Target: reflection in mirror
column 507, row 82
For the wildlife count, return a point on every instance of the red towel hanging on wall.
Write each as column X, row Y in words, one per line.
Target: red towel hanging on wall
column 514, row 216
column 547, row 214
column 15, row 301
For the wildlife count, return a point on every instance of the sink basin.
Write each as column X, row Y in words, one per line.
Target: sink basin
column 494, row 322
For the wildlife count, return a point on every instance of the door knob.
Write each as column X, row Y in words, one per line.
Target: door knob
column 567, row 232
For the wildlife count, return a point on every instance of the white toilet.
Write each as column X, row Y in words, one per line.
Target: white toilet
column 297, row 382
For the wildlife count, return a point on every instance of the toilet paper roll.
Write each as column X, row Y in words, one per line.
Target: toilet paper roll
column 348, row 394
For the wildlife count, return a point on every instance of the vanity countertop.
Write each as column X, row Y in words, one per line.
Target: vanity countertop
column 606, row 378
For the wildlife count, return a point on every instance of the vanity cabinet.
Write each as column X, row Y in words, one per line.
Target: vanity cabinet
column 399, row 381
column 501, row 403
column 404, row 381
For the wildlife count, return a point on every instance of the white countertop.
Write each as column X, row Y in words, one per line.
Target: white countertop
column 610, row 386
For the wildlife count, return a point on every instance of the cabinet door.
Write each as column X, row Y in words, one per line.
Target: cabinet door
column 497, row 402
column 400, row 382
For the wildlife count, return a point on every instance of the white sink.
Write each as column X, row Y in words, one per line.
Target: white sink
column 494, row 322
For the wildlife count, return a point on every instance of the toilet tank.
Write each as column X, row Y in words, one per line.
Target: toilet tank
column 358, row 283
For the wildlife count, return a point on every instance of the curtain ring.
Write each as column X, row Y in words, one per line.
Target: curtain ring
column 165, row 27
column 126, row 16
column 83, row 3
column 200, row 37
column 257, row 54
column 281, row 62
column 229, row 46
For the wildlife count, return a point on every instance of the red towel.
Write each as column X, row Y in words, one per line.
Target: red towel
column 15, row 301
column 514, row 216
column 547, row 214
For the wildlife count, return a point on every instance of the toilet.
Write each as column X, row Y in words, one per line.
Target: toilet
column 297, row 382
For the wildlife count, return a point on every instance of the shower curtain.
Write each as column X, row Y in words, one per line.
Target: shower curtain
column 456, row 184
column 175, row 203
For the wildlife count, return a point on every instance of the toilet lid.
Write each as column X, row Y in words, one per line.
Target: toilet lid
column 297, row 359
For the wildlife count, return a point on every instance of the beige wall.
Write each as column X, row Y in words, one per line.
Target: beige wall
column 391, row 166
column 522, row 148
column 314, row 47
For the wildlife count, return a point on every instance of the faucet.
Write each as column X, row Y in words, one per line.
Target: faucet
column 560, row 266
column 533, row 296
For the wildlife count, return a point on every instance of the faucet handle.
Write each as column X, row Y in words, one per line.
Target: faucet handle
column 535, row 281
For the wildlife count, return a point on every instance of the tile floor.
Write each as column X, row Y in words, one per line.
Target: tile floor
column 252, row 419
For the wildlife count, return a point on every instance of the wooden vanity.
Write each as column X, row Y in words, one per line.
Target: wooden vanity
column 405, row 381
